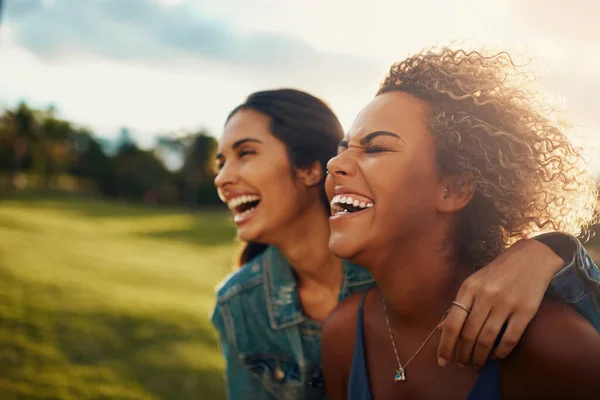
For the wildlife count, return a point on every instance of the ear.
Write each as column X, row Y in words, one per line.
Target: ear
column 311, row 175
column 455, row 192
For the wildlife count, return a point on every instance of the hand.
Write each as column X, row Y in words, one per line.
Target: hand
column 509, row 289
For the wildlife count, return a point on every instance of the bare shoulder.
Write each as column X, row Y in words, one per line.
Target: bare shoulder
column 344, row 314
column 558, row 332
column 337, row 346
column 558, row 355
column 339, row 327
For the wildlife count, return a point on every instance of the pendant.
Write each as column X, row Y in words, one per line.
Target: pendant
column 400, row 376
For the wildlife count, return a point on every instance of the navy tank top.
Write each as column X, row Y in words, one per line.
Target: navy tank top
column 486, row 387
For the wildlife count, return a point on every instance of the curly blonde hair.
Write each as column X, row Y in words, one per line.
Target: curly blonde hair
column 493, row 131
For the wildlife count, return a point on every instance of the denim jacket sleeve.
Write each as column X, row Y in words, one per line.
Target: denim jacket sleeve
column 237, row 378
column 578, row 283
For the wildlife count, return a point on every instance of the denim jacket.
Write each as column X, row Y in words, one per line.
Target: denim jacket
column 272, row 350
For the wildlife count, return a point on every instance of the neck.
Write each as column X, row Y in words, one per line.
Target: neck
column 305, row 245
column 419, row 284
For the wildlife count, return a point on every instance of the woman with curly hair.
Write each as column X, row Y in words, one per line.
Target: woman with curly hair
column 458, row 160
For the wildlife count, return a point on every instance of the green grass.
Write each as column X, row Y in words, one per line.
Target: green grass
column 105, row 301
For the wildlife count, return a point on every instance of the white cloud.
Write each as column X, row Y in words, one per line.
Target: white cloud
column 106, row 95
column 169, row 3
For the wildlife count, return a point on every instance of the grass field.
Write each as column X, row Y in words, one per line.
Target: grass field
column 105, row 301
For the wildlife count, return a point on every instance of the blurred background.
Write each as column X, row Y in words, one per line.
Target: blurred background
column 112, row 237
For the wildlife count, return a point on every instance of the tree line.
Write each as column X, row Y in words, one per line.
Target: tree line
column 40, row 151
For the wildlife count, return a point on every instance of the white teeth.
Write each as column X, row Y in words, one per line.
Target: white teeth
column 239, row 217
column 235, row 202
column 339, row 199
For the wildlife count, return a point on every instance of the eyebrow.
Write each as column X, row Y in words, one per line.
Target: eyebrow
column 238, row 143
column 370, row 137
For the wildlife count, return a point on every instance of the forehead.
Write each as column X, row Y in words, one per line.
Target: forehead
column 395, row 111
column 245, row 124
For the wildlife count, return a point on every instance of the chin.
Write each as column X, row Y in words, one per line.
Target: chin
column 247, row 234
column 343, row 248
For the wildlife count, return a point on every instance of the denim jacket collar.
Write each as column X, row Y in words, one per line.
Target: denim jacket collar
column 283, row 302
column 282, row 298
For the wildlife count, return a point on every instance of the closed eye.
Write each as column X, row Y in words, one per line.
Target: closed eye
column 243, row 153
column 376, row 149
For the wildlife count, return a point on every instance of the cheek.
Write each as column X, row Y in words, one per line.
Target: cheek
column 406, row 187
column 420, row 169
column 267, row 174
column 277, row 187
column 329, row 186
column 420, row 177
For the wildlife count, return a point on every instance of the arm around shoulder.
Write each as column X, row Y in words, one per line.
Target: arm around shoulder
column 558, row 357
column 578, row 282
column 573, row 254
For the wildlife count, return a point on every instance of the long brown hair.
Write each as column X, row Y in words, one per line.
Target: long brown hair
column 308, row 128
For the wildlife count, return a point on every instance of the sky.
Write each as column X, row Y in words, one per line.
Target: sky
column 159, row 66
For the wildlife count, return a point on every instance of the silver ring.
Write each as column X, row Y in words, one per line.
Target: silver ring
column 461, row 305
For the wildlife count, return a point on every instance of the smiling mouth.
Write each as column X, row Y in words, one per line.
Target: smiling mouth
column 349, row 204
column 243, row 206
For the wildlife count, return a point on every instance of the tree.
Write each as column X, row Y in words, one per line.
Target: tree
column 39, row 142
column 197, row 153
column 197, row 170
column 56, row 146
column 22, row 130
column 140, row 174
column 90, row 162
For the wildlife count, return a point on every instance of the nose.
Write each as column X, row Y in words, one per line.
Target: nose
column 225, row 176
column 341, row 165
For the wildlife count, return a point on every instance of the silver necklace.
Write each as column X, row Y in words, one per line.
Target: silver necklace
column 401, row 372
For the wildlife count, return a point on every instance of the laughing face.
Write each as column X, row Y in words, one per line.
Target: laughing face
column 255, row 178
column 384, row 184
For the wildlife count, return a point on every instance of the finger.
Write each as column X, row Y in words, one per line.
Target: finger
column 452, row 326
column 516, row 326
column 470, row 331
column 487, row 337
column 450, row 330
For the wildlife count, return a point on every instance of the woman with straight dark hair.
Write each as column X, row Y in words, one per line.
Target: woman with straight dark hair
column 272, row 160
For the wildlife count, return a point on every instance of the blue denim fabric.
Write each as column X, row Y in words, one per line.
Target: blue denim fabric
column 272, row 350
column 578, row 283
